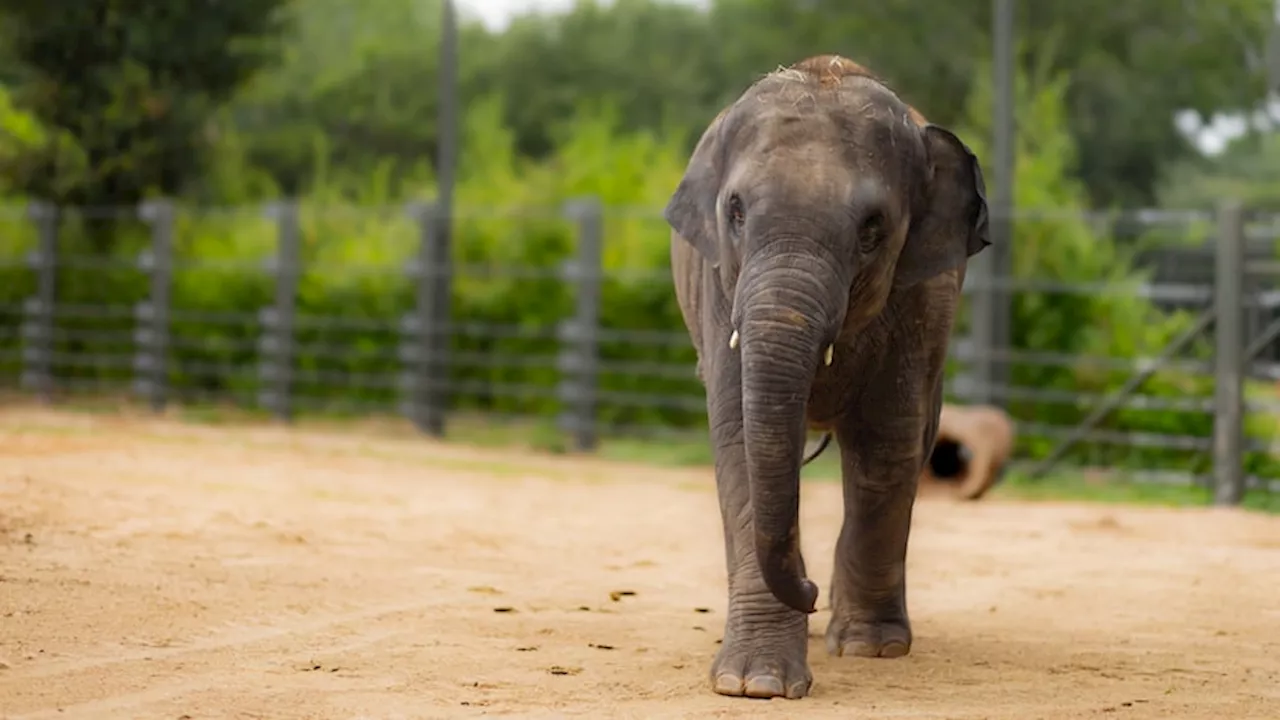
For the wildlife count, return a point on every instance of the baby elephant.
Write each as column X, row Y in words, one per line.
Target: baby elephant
column 820, row 236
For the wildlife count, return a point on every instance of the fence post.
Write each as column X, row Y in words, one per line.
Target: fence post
column 38, row 311
column 579, row 357
column 1228, row 401
column 276, row 347
column 152, row 337
column 425, row 350
column 992, row 306
column 976, row 384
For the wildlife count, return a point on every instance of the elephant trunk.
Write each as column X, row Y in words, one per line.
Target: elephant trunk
column 789, row 309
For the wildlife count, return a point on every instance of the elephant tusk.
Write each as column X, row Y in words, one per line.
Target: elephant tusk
column 733, row 340
column 830, row 354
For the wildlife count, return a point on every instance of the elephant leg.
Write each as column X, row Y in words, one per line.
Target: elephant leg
column 765, row 646
column 883, row 451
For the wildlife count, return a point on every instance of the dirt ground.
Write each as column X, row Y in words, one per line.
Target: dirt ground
column 152, row 569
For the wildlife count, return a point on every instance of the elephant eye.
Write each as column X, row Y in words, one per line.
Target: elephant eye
column 871, row 233
column 737, row 215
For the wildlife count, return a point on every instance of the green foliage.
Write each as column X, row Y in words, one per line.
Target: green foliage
column 1132, row 65
column 657, row 60
column 134, row 86
column 20, row 132
column 362, row 77
column 354, row 291
column 1054, row 243
column 601, row 101
column 1248, row 170
column 360, row 80
column 511, row 216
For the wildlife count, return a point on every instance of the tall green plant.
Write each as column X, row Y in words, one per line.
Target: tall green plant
column 1053, row 242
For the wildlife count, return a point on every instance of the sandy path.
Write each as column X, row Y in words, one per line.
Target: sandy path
column 158, row 570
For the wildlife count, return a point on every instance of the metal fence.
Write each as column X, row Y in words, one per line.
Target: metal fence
column 568, row 314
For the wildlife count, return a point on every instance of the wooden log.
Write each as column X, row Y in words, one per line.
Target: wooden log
column 969, row 455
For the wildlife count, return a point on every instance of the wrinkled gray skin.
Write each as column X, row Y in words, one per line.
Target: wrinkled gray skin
column 818, row 210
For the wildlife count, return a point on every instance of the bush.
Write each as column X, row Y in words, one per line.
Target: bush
column 511, row 235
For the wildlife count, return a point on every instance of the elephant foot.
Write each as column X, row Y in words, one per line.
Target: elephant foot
column 859, row 638
column 764, row 655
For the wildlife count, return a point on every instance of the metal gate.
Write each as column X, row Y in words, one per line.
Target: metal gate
column 1240, row 307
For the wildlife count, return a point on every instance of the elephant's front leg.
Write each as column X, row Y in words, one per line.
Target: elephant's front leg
column 764, row 651
column 883, row 449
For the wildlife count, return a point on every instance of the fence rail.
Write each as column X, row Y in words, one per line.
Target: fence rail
column 598, row 345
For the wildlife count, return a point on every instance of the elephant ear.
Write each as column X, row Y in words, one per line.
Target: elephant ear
column 691, row 211
column 954, row 225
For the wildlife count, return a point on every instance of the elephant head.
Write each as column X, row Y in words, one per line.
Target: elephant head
column 813, row 196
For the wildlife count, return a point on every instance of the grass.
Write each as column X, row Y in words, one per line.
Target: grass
column 678, row 449
column 1079, row 488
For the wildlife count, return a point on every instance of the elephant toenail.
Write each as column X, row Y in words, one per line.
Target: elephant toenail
column 728, row 684
column 858, row 648
column 764, row 686
column 893, row 649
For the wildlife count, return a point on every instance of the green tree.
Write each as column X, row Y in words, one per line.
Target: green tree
column 22, row 135
column 133, row 84
column 657, row 62
column 1247, row 170
column 1063, row 248
column 355, row 93
column 1132, row 65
